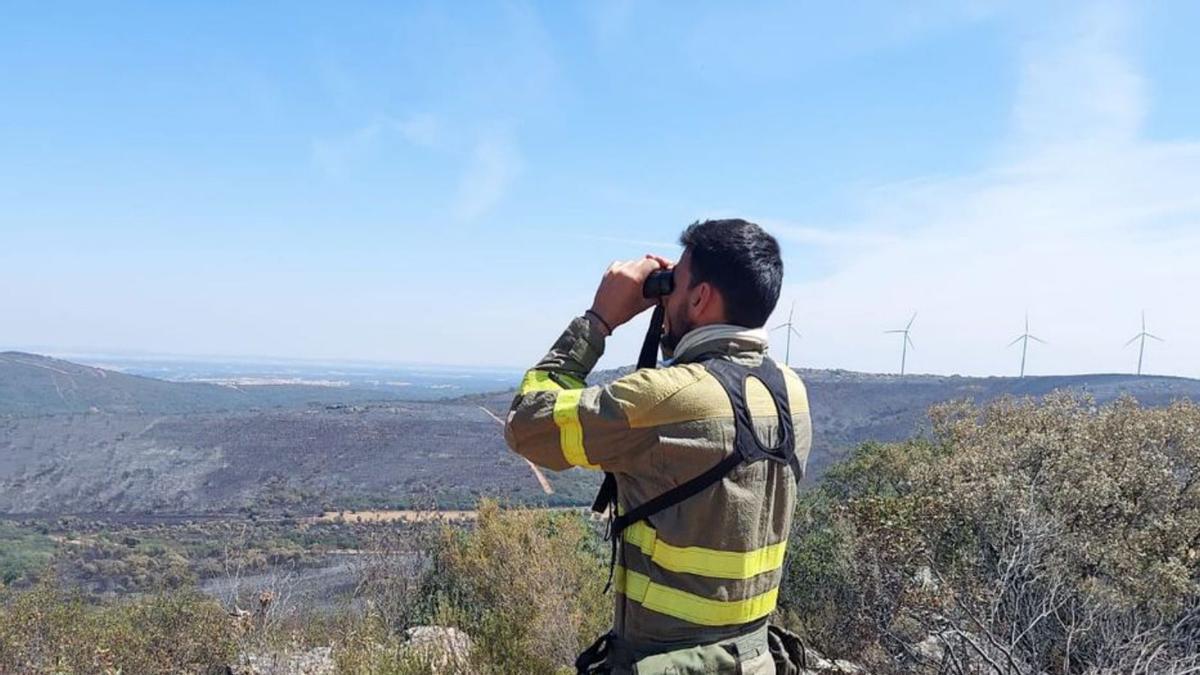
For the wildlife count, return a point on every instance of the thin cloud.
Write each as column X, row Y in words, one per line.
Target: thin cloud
column 1083, row 222
column 493, row 166
column 490, row 164
column 338, row 155
column 816, row 236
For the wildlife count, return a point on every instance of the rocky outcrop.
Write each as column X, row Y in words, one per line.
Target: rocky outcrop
column 316, row 661
column 440, row 647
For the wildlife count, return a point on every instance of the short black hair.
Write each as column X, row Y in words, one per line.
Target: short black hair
column 742, row 261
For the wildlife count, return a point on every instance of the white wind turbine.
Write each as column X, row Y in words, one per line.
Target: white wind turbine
column 906, row 342
column 1024, row 340
column 1141, row 338
column 787, row 357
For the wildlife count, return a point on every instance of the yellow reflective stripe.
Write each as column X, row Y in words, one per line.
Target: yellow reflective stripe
column 690, row 607
column 572, row 381
column 537, row 380
column 540, row 380
column 570, row 433
column 705, row 562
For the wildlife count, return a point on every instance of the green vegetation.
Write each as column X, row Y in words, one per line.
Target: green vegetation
column 24, row 553
column 102, row 559
column 528, row 585
column 45, row 631
column 525, row 584
column 1021, row 538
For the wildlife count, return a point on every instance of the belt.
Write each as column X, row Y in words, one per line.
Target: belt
column 622, row 653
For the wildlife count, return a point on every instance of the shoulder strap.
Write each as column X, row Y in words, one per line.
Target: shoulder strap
column 747, row 447
column 733, row 378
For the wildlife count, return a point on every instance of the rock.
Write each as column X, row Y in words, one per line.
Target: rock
column 925, row 580
column 931, row 648
column 316, row 661
column 819, row 665
column 441, row 647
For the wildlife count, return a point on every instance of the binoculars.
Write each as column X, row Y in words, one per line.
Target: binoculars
column 659, row 283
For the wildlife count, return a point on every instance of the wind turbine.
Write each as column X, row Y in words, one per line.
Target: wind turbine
column 1024, row 340
column 787, row 357
column 906, row 342
column 1141, row 337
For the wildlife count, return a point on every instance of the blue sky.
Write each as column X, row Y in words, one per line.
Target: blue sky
column 445, row 182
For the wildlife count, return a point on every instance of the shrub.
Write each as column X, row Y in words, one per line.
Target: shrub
column 1026, row 537
column 526, row 584
column 24, row 554
column 44, row 630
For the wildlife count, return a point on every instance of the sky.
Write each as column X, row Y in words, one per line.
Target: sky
column 446, row 182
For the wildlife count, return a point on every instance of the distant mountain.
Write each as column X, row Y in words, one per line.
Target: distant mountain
column 80, row 439
column 31, row 384
column 849, row 408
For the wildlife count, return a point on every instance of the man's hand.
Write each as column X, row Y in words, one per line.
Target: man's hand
column 619, row 297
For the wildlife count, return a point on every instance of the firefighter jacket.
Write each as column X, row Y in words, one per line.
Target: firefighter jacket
column 708, row 568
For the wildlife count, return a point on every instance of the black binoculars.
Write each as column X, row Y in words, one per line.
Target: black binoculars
column 659, row 283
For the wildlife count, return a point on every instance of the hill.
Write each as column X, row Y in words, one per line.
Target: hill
column 77, row 439
column 31, row 384
column 849, row 408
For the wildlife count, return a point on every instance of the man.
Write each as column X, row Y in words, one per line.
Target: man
column 697, row 579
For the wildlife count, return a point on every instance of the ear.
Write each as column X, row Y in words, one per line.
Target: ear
column 700, row 298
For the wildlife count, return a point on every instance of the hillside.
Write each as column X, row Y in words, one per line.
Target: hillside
column 849, row 408
column 76, row 439
column 31, row 384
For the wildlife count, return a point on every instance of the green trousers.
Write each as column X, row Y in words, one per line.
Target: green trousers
column 766, row 650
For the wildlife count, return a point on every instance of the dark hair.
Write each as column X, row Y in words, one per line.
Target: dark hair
column 742, row 261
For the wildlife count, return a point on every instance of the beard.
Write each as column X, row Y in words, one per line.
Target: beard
column 677, row 327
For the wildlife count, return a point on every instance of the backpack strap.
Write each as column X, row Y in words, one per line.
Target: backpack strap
column 733, row 378
column 606, row 497
column 647, row 358
column 747, row 447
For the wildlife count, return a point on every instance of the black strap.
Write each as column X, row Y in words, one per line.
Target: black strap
column 648, row 358
column 747, row 447
column 733, row 378
column 676, row 494
column 607, row 496
column 594, row 658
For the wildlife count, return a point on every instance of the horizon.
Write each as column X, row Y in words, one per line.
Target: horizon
column 113, row 361
column 445, row 185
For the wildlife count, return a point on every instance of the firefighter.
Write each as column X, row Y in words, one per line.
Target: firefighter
column 702, row 456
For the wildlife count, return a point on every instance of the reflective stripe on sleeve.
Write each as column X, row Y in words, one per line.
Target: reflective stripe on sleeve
column 690, row 607
column 705, row 562
column 570, row 433
column 540, row 380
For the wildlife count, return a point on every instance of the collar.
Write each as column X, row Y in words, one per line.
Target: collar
column 719, row 337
